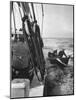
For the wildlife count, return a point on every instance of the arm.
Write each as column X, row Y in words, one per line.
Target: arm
column 65, row 54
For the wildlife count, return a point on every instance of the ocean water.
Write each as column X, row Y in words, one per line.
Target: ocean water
column 51, row 44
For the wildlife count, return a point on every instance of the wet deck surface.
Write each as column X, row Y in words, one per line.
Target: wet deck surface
column 36, row 88
column 64, row 83
column 37, row 91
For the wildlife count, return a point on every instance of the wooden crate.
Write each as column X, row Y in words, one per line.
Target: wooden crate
column 20, row 88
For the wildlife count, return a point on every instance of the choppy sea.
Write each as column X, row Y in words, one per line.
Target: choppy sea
column 51, row 44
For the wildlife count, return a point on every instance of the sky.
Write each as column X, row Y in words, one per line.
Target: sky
column 57, row 20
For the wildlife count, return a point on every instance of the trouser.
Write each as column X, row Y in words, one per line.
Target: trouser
column 48, row 86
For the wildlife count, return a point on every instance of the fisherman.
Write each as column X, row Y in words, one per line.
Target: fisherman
column 30, row 34
column 62, row 53
column 55, row 53
column 51, row 87
column 39, row 41
column 34, row 31
column 33, row 39
column 50, row 54
column 37, row 33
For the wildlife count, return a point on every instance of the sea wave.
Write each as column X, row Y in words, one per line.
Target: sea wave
column 52, row 44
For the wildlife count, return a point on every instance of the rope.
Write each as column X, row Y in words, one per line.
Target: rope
column 14, row 20
column 23, row 9
column 33, row 11
column 37, row 13
column 30, row 14
column 20, row 11
column 42, row 17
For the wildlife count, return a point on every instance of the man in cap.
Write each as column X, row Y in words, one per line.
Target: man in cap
column 62, row 53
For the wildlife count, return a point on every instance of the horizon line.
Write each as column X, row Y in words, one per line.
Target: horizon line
column 56, row 37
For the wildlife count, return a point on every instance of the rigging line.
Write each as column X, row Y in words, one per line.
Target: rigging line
column 30, row 12
column 23, row 9
column 33, row 11
column 11, row 10
column 42, row 17
column 14, row 20
column 11, row 7
column 37, row 13
column 20, row 11
column 30, row 15
column 42, row 10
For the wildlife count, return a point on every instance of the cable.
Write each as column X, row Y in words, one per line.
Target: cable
column 14, row 20
column 20, row 11
column 42, row 16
